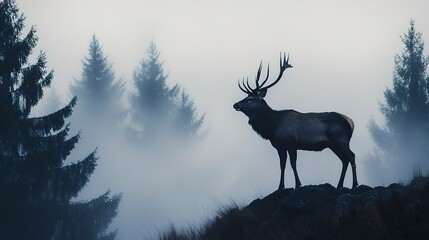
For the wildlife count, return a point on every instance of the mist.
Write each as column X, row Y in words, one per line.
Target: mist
column 342, row 53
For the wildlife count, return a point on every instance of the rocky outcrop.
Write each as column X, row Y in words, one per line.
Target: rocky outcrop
column 324, row 212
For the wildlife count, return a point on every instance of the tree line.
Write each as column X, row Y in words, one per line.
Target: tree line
column 37, row 181
column 157, row 111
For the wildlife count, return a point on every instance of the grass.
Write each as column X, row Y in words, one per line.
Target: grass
column 417, row 171
column 175, row 234
column 210, row 227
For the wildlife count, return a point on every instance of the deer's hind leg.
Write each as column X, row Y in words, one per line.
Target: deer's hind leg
column 353, row 163
column 346, row 156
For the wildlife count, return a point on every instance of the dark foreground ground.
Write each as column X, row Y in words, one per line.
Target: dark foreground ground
column 323, row 212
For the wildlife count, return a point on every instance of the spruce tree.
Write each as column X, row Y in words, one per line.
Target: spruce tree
column 158, row 108
column 98, row 91
column 403, row 142
column 186, row 122
column 36, row 185
column 151, row 102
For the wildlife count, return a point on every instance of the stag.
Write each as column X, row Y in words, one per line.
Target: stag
column 289, row 130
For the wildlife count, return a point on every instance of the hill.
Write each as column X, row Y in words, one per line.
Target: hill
column 324, row 212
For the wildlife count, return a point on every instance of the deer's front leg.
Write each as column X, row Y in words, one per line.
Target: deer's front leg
column 283, row 157
column 292, row 155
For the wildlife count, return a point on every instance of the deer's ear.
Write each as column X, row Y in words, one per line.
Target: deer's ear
column 262, row 93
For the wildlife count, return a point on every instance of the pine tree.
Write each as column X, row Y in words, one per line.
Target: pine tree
column 403, row 142
column 186, row 121
column 36, row 185
column 97, row 89
column 151, row 102
column 158, row 108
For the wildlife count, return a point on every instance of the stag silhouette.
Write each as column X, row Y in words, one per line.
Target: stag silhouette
column 289, row 130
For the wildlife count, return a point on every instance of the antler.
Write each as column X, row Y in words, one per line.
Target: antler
column 284, row 64
column 245, row 89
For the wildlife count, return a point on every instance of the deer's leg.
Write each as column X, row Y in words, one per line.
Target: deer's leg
column 345, row 160
column 292, row 155
column 347, row 156
column 343, row 174
column 283, row 158
column 352, row 161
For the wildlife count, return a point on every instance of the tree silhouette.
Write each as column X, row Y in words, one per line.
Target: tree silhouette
column 186, row 121
column 403, row 142
column 99, row 93
column 157, row 108
column 36, row 185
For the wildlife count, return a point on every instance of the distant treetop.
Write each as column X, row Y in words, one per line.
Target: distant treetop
column 158, row 108
column 97, row 90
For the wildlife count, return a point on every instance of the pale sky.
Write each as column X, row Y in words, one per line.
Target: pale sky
column 342, row 53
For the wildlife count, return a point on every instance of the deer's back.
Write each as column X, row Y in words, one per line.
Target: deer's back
column 310, row 131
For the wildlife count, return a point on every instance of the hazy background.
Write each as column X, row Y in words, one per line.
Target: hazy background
column 342, row 53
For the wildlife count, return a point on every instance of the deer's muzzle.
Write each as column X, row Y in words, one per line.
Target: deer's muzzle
column 236, row 107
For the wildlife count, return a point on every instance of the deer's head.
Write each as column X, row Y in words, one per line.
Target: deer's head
column 255, row 96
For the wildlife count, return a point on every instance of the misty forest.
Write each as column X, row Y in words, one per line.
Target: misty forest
column 137, row 128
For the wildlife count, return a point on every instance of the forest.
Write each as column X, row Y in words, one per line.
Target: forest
column 114, row 157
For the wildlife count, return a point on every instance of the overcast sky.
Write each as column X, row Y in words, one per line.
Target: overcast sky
column 342, row 53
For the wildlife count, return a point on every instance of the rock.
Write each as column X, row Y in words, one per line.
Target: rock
column 324, row 212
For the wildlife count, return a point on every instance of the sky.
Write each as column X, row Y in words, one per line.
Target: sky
column 342, row 53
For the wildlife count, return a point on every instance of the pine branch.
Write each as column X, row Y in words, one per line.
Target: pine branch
column 69, row 180
column 49, row 123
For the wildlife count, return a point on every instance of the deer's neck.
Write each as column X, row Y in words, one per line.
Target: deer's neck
column 264, row 121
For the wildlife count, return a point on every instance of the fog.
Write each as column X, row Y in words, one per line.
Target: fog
column 342, row 53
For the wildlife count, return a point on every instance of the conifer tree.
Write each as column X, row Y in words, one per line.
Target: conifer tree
column 186, row 121
column 36, row 185
column 150, row 104
column 97, row 90
column 403, row 142
column 158, row 108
